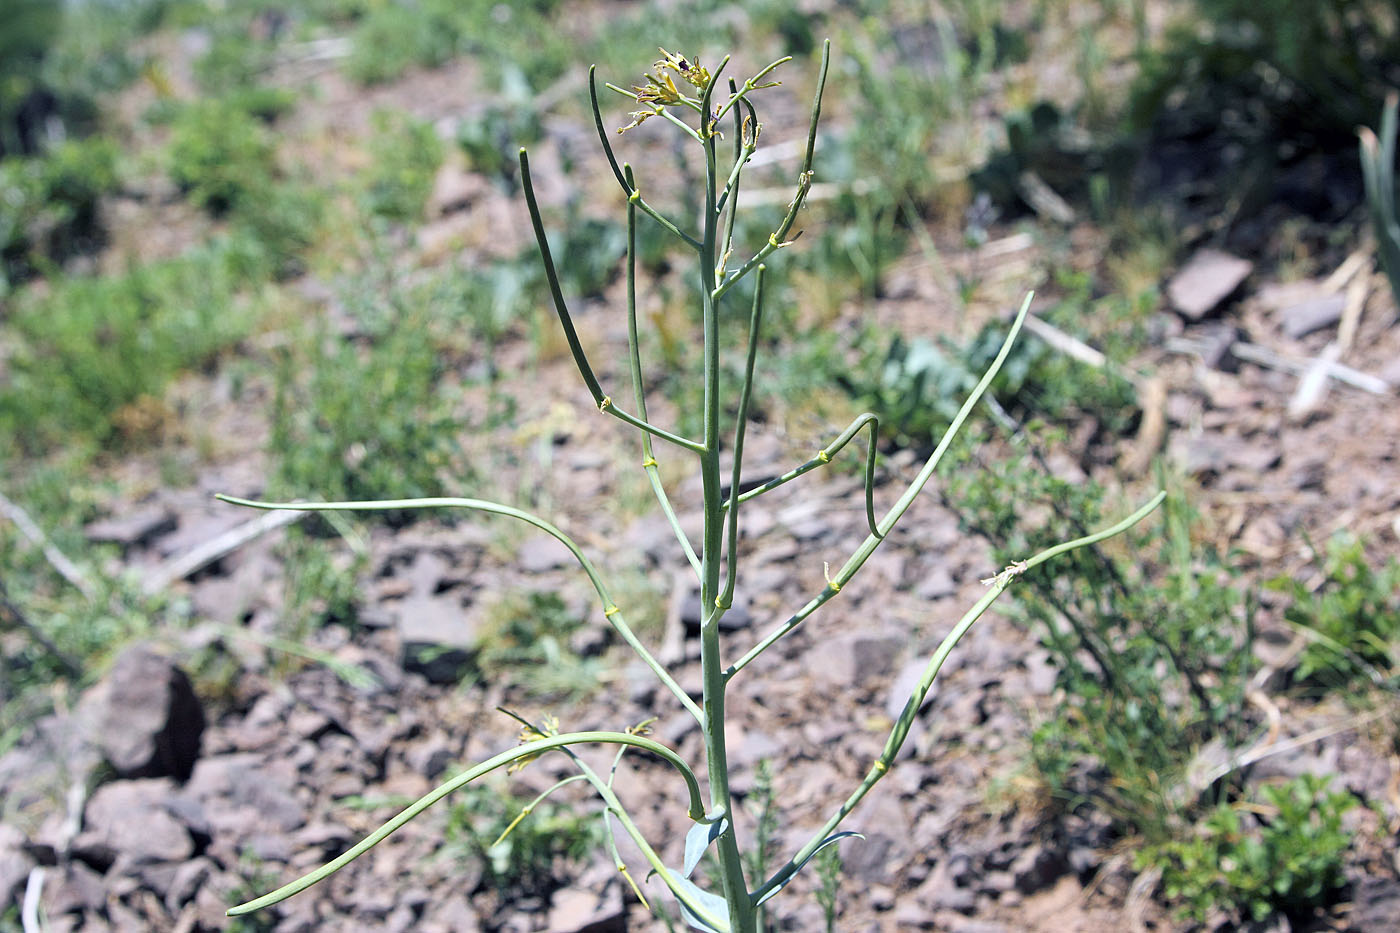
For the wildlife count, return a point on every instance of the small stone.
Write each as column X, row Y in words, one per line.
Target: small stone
column 188, row 879
column 1375, row 904
column 937, row 583
column 541, row 553
column 1214, row 342
column 15, row 863
column 1311, row 315
column 577, row 911
column 135, row 529
column 454, row 189
column 1036, row 867
column 72, row 889
column 851, row 660
column 1206, row 280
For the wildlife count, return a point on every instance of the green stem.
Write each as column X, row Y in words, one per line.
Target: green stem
column 883, row 527
column 825, row 455
column 996, row 586
column 638, row 389
column 603, row 401
column 736, row 892
column 726, row 598
column 528, row 750
column 610, row 610
column 804, row 184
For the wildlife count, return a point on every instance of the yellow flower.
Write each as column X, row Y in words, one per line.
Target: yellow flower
column 694, row 72
column 548, row 726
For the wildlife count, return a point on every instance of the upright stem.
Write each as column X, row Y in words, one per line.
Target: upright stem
column 736, row 892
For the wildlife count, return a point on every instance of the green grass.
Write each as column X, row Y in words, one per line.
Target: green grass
column 525, row 641
column 404, row 158
column 529, row 860
column 89, row 348
column 1351, row 620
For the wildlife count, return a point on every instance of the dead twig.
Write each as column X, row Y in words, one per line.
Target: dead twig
column 201, row 556
column 56, row 558
column 1253, row 353
column 12, row 617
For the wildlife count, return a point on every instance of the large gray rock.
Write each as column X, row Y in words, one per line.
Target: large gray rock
column 129, row 818
column 145, row 717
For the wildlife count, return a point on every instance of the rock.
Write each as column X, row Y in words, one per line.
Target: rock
column 578, row 911
column 144, row 716
column 937, row 583
column 135, row 529
column 542, row 552
column 454, row 189
column 453, row 914
column 1036, row 867
column 242, row 791
column 851, row 660
column 436, row 637
column 903, row 687
column 72, row 889
column 1206, row 280
column 1314, row 314
column 1376, row 904
column 432, row 757
column 913, row 916
column 129, row 819
column 189, row 877
column 1390, row 372
column 1214, row 342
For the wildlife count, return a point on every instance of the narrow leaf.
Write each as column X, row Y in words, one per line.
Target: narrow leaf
column 829, row 840
column 698, row 839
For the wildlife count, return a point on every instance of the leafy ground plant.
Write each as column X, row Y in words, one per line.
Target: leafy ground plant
column 718, row 117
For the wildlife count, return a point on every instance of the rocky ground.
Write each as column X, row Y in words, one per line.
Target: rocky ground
column 150, row 805
column 197, row 802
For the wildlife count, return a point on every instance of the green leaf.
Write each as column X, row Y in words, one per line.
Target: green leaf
column 829, row 840
column 698, row 839
column 712, row 904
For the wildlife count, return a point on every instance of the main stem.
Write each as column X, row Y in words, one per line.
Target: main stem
column 736, row 892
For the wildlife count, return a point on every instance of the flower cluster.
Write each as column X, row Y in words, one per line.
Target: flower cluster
column 661, row 91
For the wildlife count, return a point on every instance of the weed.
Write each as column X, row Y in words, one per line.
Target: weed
column 1283, row 854
column 915, row 381
column 359, row 420
column 525, row 641
column 701, row 106
column 50, row 205
column 404, row 155
column 1148, row 668
column 1351, row 618
column 490, row 138
column 220, row 155
column 521, row 857
column 74, row 366
column 828, row 884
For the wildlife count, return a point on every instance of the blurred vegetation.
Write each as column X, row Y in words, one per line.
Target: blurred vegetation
column 538, row 850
